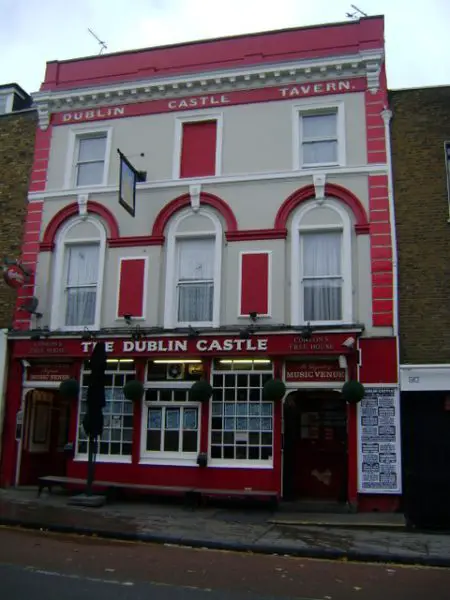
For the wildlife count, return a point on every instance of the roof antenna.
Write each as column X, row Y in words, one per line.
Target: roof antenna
column 103, row 45
column 357, row 13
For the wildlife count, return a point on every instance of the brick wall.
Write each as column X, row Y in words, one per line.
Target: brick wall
column 420, row 125
column 17, row 133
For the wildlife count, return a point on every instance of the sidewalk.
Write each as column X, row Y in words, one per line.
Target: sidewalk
column 362, row 537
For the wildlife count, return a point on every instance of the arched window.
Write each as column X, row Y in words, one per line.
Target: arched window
column 193, row 268
column 78, row 275
column 321, row 264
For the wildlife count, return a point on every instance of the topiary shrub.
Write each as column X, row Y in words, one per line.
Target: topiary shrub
column 133, row 390
column 69, row 389
column 353, row 391
column 201, row 391
column 274, row 389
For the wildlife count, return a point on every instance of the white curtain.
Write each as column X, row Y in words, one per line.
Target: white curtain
column 319, row 138
column 81, row 284
column 195, row 279
column 322, row 276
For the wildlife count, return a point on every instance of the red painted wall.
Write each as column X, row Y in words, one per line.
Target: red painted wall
column 378, row 360
column 131, row 287
column 226, row 53
column 254, row 283
column 198, row 149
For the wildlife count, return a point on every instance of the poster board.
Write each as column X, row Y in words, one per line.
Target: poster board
column 379, row 441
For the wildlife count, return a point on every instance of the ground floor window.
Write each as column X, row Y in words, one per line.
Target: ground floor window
column 241, row 422
column 171, row 422
column 117, row 437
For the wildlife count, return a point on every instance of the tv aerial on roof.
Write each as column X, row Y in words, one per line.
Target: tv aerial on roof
column 357, row 12
column 103, row 45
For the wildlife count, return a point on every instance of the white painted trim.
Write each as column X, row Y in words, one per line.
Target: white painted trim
column 3, row 378
column 170, row 308
column 9, row 95
column 103, row 458
column 58, row 306
column 294, row 175
column 317, row 105
column 347, row 257
column 423, row 378
column 168, row 458
column 240, row 315
column 239, row 464
column 75, row 133
column 41, row 385
column 141, row 317
column 195, row 117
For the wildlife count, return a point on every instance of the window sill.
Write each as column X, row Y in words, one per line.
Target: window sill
column 104, row 459
column 169, row 461
column 307, row 166
column 240, row 464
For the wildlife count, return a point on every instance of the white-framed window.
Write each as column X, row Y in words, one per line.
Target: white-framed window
column 241, row 421
column 90, row 163
column 321, row 277
column 194, row 255
column 170, row 421
column 6, row 103
column 198, row 145
column 319, row 134
column 115, row 444
column 88, row 156
column 78, row 275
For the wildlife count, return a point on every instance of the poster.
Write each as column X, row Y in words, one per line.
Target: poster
column 379, row 451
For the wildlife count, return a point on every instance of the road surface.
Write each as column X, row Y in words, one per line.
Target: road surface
column 70, row 567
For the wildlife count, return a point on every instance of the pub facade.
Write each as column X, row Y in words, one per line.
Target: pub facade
column 257, row 246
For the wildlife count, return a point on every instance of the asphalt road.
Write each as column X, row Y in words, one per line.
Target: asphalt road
column 50, row 567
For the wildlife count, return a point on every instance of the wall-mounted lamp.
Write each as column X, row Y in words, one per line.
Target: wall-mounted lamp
column 193, row 333
column 342, row 361
column 87, row 335
column 137, row 334
column 349, row 342
column 127, row 317
column 307, row 331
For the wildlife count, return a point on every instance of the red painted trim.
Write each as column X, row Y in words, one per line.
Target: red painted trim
column 198, row 148
column 136, row 241
column 331, row 189
column 362, row 229
column 254, row 283
column 352, row 438
column 249, row 235
column 182, row 201
column 12, row 405
column 137, row 416
column 70, row 211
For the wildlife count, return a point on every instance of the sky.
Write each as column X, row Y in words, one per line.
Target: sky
column 35, row 31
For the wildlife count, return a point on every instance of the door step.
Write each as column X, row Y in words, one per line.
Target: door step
column 315, row 506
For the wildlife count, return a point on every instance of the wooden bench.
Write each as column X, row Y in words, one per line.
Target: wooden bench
column 192, row 494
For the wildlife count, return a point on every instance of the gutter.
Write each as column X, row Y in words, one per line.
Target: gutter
column 386, row 115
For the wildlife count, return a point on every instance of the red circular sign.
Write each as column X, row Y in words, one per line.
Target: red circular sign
column 14, row 276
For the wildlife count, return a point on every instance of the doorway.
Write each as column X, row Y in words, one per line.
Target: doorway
column 315, row 446
column 45, row 433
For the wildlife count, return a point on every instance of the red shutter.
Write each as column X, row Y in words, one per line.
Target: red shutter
column 198, row 149
column 131, row 287
column 254, row 283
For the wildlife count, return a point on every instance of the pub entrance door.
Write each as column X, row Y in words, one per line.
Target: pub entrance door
column 315, row 446
column 44, row 435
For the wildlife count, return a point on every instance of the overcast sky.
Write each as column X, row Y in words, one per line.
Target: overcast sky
column 35, row 31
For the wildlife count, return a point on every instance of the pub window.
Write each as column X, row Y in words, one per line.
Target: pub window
column 241, row 422
column 115, row 444
column 171, row 422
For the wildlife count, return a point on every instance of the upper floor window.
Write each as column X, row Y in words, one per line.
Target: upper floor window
column 319, row 135
column 193, row 270
column 198, row 146
column 88, row 156
column 321, row 265
column 81, row 282
column 3, row 104
column 195, row 280
column 78, row 275
column 90, row 165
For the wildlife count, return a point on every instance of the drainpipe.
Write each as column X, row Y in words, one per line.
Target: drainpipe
column 386, row 115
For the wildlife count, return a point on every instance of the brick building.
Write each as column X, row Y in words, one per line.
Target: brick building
column 17, row 134
column 261, row 248
column 421, row 160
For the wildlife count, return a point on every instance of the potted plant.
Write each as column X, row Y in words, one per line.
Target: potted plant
column 133, row 390
column 69, row 389
column 201, row 391
column 353, row 391
column 274, row 390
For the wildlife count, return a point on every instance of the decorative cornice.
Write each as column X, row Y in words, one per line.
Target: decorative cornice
column 43, row 111
column 365, row 63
